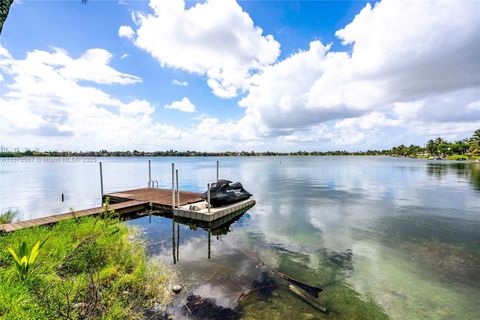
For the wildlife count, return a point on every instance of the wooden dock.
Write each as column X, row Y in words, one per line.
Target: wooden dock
column 160, row 198
column 122, row 207
column 203, row 214
column 190, row 206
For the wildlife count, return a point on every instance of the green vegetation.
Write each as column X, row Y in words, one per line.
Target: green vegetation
column 438, row 148
column 188, row 153
column 4, row 9
column 90, row 268
column 457, row 157
column 441, row 148
column 9, row 216
column 24, row 258
column 331, row 273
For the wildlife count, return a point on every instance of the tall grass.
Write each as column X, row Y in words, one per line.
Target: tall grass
column 9, row 216
column 89, row 268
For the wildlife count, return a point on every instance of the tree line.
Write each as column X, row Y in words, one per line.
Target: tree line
column 441, row 148
column 438, row 147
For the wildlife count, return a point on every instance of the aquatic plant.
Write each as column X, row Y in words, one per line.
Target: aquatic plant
column 25, row 258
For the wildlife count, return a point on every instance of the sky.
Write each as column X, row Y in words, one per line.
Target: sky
column 220, row 75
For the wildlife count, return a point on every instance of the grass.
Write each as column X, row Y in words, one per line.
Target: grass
column 9, row 216
column 89, row 268
column 457, row 157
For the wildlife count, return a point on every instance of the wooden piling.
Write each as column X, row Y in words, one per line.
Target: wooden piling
column 209, row 243
column 149, row 173
column 178, row 191
column 173, row 185
column 101, row 182
column 208, row 197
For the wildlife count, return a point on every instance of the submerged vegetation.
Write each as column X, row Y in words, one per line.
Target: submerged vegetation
column 90, row 268
column 338, row 298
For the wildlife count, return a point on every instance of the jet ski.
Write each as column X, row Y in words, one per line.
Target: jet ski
column 225, row 192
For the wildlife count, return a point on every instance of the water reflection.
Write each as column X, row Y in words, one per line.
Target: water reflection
column 465, row 170
column 154, row 226
column 382, row 236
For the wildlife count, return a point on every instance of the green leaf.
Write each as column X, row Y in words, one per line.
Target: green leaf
column 34, row 253
column 23, row 251
column 14, row 255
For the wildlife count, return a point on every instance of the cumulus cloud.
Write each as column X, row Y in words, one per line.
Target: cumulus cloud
column 410, row 69
column 215, row 38
column 415, row 52
column 44, row 104
column 126, row 32
column 184, row 105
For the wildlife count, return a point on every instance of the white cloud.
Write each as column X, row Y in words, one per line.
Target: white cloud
column 411, row 70
column 416, row 52
column 184, row 105
column 41, row 107
column 44, row 105
column 93, row 66
column 126, row 31
column 179, row 83
column 125, row 55
column 137, row 107
column 4, row 52
column 216, row 38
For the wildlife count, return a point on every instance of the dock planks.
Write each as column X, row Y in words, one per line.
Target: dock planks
column 158, row 197
column 139, row 199
column 122, row 207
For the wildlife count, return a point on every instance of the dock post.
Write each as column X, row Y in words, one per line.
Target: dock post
column 209, row 243
column 208, row 197
column 173, row 186
column 101, row 182
column 178, row 242
column 149, row 173
column 178, row 191
column 173, row 243
column 217, row 169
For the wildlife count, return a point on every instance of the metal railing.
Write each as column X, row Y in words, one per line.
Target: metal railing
column 153, row 184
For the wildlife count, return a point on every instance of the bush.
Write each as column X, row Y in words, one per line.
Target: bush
column 87, row 269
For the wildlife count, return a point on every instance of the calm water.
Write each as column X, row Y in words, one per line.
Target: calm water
column 397, row 235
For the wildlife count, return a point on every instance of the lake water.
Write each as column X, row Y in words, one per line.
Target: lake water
column 384, row 237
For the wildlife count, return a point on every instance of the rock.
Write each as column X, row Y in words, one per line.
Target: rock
column 176, row 289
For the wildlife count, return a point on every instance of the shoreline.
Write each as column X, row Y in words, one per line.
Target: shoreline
column 93, row 158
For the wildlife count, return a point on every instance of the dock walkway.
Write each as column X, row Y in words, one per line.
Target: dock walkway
column 122, row 207
column 190, row 206
column 160, row 198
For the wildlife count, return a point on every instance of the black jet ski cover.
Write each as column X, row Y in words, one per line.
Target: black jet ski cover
column 225, row 192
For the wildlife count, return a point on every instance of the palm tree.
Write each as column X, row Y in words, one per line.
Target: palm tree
column 474, row 143
column 4, row 9
column 431, row 147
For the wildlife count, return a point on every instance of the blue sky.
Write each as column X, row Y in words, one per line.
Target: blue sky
column 260, row 75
